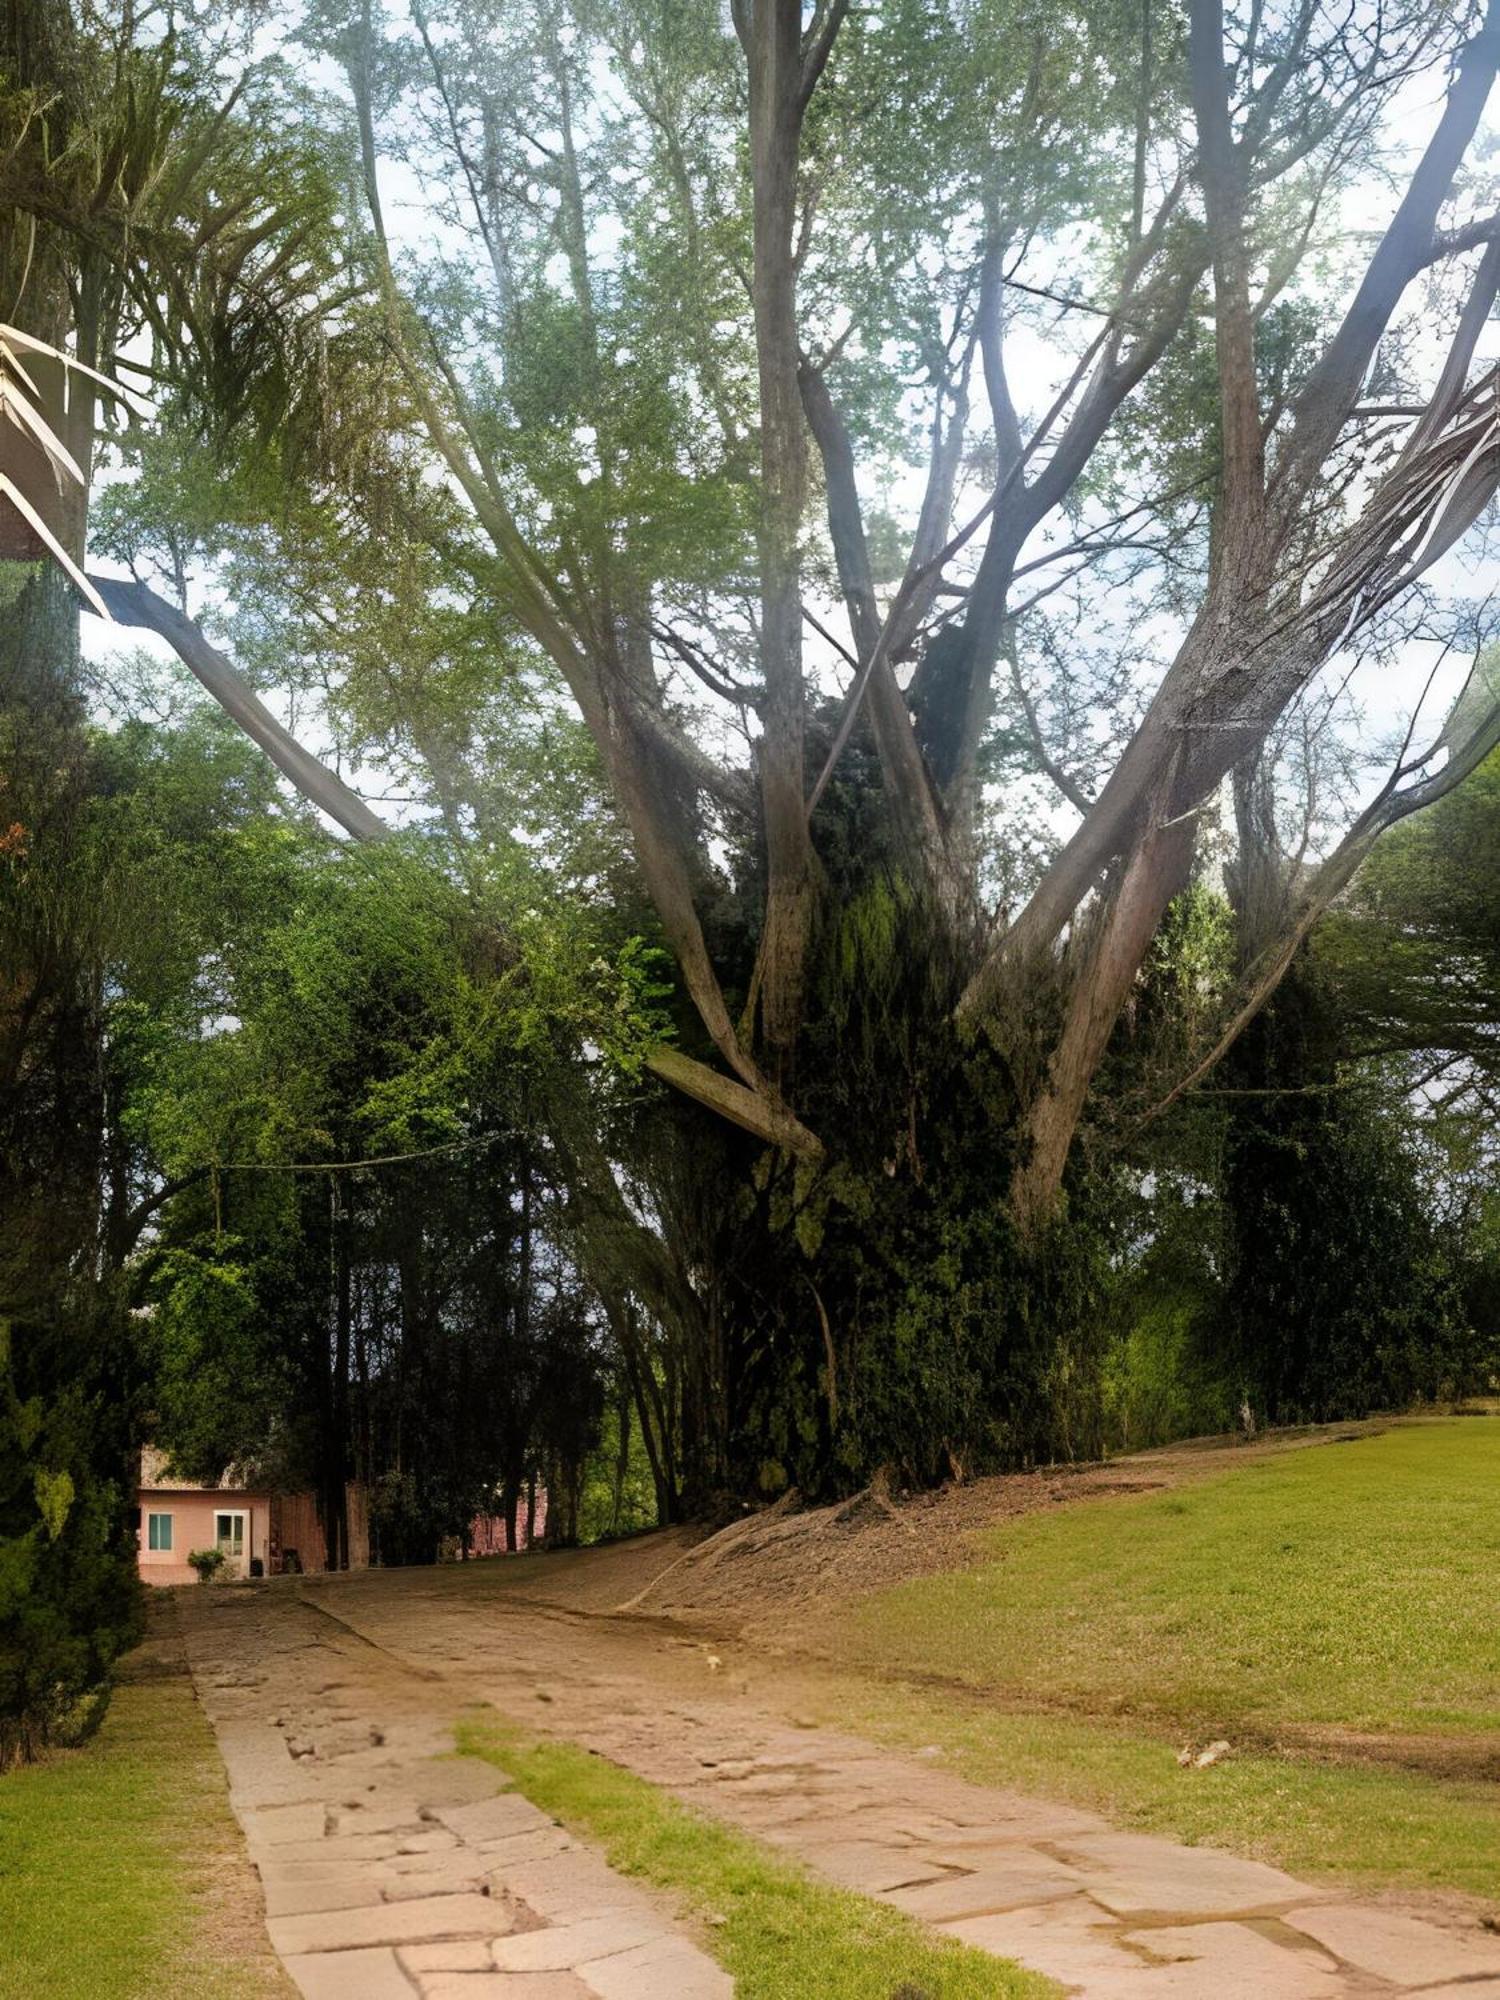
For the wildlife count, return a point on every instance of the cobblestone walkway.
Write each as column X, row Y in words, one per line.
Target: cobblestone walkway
column 391, row 1868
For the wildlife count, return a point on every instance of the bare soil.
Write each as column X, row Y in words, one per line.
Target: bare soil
column 762, row 1576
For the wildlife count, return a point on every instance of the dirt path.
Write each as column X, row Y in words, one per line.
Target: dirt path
column 1114, row 1916
column 390, row 1868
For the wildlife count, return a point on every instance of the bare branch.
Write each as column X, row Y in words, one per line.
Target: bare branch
column 1387, row 809
column 137, row 604
column 1333, row 386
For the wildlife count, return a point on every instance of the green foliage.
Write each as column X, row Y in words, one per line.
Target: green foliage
column 221, row 1379
column 1161, row 1379
column 1341, row 1297
column 205, row 1563
column 618, row 1495
column 68, row 1595
column 881, row 1309
column 414, row 1323
column 381, row 1140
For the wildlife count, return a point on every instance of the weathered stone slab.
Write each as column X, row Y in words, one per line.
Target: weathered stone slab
column 455, row 1955
column 514, row 1848
column 1013, row 1879
column 1403, row 1949
column 327, row 1863
column 1072, row 1942
column 1231, row 1962
column 431, row 1840
column 650, row 1972
column 507, row 1986
column 273, row 1826
column 463, row 1875
column 576, row 1883
column 871, row 1868
column 343, row 1889
column 300, row 1786
column 492, row 1819
column 1013, row 1817
column 388, row 1923
column 565, row 1946
column 350, row 1975
column 454, row 1781
column 1131, row 1873
column 375, row 1812
column 369, row 1847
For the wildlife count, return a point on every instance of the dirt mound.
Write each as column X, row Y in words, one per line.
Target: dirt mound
column 747, row 1576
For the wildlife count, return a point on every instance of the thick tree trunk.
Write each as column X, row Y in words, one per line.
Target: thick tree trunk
column 776, row 82
column 1156, row 871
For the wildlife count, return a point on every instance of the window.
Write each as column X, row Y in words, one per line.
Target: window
column 159, row 1531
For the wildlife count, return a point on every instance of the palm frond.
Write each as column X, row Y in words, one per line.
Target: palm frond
column 21, row 412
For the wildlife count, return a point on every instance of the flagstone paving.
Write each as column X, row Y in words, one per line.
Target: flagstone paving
column 1111, row 1915
column 390, row 1867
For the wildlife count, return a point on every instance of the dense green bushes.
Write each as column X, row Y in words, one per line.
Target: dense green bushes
column 69, row 1600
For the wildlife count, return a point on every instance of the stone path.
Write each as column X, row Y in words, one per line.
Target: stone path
column 1112, row 1915
column 390, row 1867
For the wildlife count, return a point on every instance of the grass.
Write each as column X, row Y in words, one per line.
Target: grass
column 1282, row 1604
column 1367, row 1825
column 778, row 1932
column 1349, row 1584
column 122, row 1876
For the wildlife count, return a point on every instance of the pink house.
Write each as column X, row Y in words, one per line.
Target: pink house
column 178, row 1518
column 260, row 1533
column 263, row 1533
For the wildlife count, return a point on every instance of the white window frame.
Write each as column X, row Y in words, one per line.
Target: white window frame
column 233, row 1514
column 154, row 1545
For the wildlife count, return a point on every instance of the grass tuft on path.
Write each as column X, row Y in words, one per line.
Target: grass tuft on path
column 122, row 1873
column 1299, row 1605
column 781, row 1934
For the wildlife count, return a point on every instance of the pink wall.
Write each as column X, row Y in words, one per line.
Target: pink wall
column 192, row 1515
column 487, row 1531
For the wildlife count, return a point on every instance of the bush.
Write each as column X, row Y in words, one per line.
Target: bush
column 207, row 1562
column 1342, row 1295
column 69, row 1595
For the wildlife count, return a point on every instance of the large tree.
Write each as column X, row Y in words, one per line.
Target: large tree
column 1051, row 343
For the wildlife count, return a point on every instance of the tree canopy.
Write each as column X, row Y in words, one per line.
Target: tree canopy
column 813, row 560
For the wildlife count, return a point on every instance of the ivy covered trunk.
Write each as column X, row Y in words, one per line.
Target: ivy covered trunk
column 879, row 1307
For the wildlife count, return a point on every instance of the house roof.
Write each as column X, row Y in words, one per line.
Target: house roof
column 157, row 1476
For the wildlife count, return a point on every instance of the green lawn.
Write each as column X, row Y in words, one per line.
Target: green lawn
column 781, row 1934
column 122, row 1874
column 1343, row 1587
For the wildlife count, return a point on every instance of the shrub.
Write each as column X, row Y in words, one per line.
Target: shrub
column 207, row 1562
